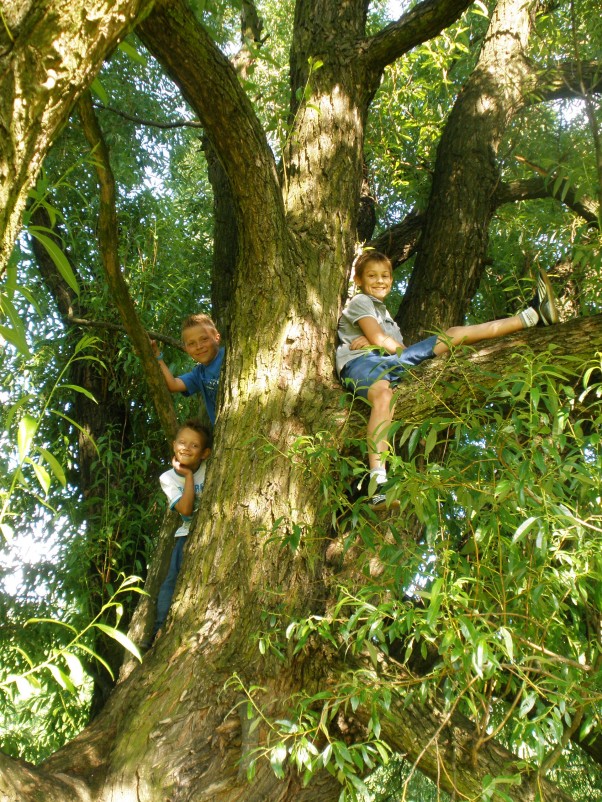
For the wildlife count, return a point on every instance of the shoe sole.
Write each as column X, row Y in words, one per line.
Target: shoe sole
column 548, row 314
column 383, row 505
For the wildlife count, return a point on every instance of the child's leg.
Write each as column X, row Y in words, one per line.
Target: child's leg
column 466, row 335
column 541, row 311
column 169, row 584
column 380, row 397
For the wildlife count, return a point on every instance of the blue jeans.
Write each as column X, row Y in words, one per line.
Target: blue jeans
column 169, row 583
column 361, row 373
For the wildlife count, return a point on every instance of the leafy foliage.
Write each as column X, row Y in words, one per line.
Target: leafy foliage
column 51, row 684
column 492, row 610
column 484, row 594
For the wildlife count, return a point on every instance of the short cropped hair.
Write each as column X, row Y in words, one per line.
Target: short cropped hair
column 366, row 258
column 197, row 320
column 200, row 428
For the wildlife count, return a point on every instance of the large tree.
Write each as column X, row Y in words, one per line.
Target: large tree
column 187, row 723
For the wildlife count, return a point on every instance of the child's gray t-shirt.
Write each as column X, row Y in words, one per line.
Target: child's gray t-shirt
column 360, row 306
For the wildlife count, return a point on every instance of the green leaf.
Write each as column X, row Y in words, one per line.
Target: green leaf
column 60, row 676
column 51, row 621
column 326, row 754
column 435, row 603
column 54, row 465
column 527, row 704
column 25, row 434
column 121, row 638
column 16, row 334
column 26, row 686
column 7, row 532
column 96, row 657
column 79, row 389
column 131, row 51
column 56, row 254
column 414, row 438
column 431, row 441
column 42, row 475
column 508, row 643
column 382, row 751
column 524, row 527
column 76, row 670
column 98, row 89
column 277, row 758
column 480, row 8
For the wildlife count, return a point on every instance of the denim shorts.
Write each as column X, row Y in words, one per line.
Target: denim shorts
column 361, row 373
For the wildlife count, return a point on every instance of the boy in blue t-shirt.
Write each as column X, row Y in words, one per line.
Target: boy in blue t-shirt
column 202, row 342
column 182, row 485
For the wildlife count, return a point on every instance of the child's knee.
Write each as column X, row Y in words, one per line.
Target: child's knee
column 380, row 395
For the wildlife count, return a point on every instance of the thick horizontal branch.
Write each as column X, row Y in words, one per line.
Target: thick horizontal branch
column 568, row 81
column 400, row 241
column 545, row 184
column 423, row 22
column 474, row 371
column 443, row 746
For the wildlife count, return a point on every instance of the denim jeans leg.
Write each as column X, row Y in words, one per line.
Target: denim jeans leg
column 169, row 584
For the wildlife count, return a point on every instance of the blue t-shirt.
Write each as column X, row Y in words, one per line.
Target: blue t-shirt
column 204, row 379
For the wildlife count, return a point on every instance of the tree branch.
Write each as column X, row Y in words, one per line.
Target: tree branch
column 107, row 235
column 210, row 85
column 428, row 389
column 400, row 241
column 566, row 81
column 26, row 32
column 437, row 738
column 150, row 123
column 105, row 324
column 544, row 186
column 421, row 23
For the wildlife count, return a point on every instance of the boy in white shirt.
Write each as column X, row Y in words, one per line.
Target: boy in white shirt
column 182, row 485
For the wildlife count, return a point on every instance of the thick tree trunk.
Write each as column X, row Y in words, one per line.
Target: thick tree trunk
column 453, row 246
column 177, row 726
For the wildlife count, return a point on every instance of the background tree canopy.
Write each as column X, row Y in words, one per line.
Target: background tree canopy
column 169, row 157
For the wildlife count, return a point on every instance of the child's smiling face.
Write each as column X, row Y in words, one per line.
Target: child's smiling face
column 201, row 342
column 376, row 280
column 190, row 448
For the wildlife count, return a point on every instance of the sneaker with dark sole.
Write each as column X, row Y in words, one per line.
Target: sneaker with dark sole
column 544, row 302
column 379, row 502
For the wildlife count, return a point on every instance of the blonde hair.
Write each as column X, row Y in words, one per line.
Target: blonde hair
column 197, row 320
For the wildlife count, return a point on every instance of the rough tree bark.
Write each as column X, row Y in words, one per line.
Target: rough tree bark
column 173, row 728
column 465, row 178
column 49, row 53
column 465, row 192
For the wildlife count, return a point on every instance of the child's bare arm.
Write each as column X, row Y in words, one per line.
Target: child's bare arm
column 185, row 504
column 359, row 343
column 174, row 385
column 373, row 332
